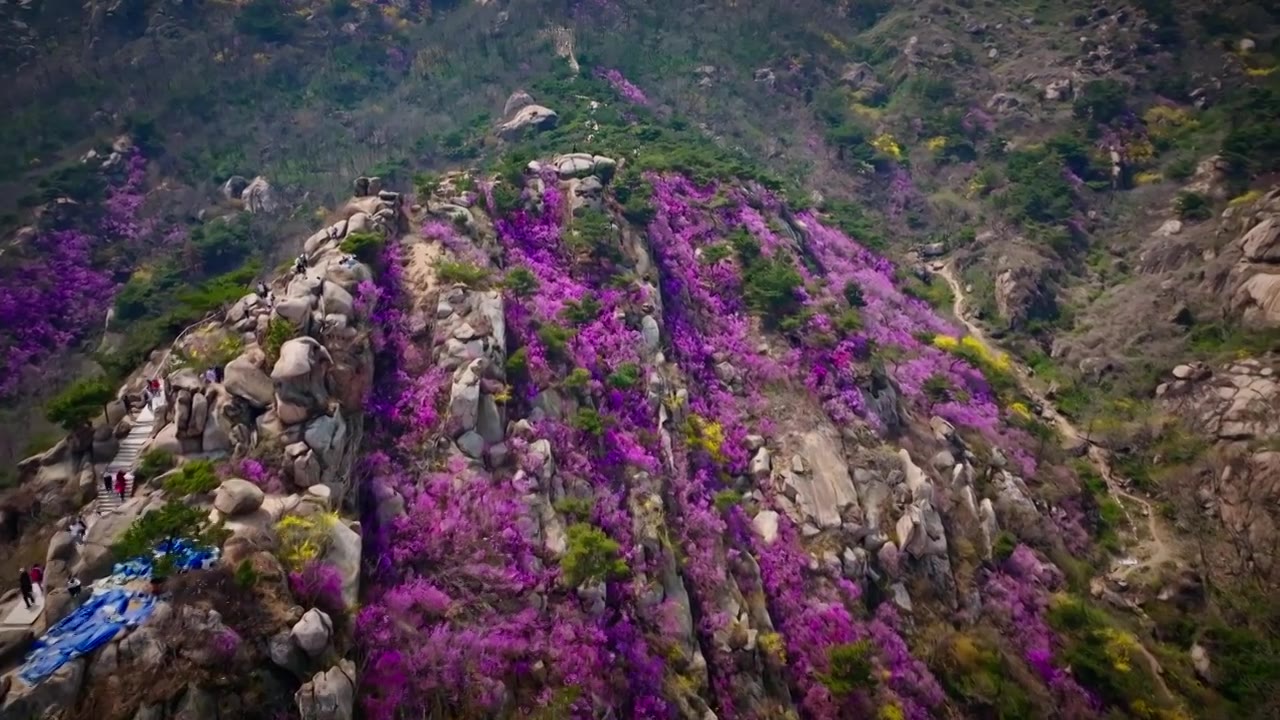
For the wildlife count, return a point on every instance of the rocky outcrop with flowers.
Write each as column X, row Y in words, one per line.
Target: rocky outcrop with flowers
column 263, row 418
column 716, row 464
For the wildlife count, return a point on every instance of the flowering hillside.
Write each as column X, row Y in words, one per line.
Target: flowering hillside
column 603, row 444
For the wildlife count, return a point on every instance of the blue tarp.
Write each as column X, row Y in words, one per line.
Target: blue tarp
column 92, row 625
column 102, row 615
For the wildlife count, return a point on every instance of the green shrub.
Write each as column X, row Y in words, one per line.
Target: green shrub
column 582, row 311
column 1193, row 206
column 154, row 464
column 1181, row 168
column 726, row 499
column 578, row 379
column 1252, row 142
column 575, row 509
column 518, row 362
column 80, row 403
column 424, row 184
column 1003, row 546
column 172, row 521
column 1101, row 101
column 194, row 478
column 279, row 332
column 590, row 233
column 713, row 254
column 521, row 282
column 366, row 246
column 556, row 340
column 589, row 421
column 851, row 669
column 450, row 272
column 853, row 295
column 223, row 244
column 246, row 577
column 591, row 556
column 972, row 669
column 625, row 377
column 1037, row 190
column 505, row 198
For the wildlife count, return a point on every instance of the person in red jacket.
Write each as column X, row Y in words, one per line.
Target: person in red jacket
column 120, row 485
column 37, row 578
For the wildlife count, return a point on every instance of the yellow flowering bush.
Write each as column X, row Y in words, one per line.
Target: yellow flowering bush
column 945, row 342
column 1260, row 72
column 709, row 436
column 1164, row 122
column 1020, row 410
column 892, row 711
column 1147, row 178
column 936, row 144
column 1245, row 199
column 303, row 539
column 888, row 145
column 771, row 643
column 1119, row 647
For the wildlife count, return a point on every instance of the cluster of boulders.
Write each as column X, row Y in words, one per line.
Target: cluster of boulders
column 470, row 341
column 257, row 195
column 522, row 117
column 1237, row 402
column 1257, row 274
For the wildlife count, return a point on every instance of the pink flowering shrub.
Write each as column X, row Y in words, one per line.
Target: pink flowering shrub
column 57, row 293
column 1016, row 597
column 624, row 87
column 318, row 585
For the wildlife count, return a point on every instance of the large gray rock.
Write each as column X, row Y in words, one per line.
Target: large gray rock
column 823, row 486
column 56, row 694
column 765, row 524
column 259, row 197
column 464, row 397
column 529, row 119
column 237, row 497
column 330, row 695
column 244, row 378
column 343, row 553
column 313, row 632
column 1262, row 242
column 14, row 644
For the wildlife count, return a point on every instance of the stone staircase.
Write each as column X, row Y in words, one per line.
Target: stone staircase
column 128, row 455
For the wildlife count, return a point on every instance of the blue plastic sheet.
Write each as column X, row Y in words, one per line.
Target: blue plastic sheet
column 92, row 625
column 107, row 610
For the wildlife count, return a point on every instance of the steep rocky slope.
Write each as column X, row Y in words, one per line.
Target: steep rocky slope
column 826, row 360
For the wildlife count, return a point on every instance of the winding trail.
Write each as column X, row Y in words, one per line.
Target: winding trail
column 1153, row 551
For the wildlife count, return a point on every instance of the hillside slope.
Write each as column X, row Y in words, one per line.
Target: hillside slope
column 804, row 360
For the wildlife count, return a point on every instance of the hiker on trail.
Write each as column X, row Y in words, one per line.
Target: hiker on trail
column 106, row 482
column 217, row 373
column 210, row 376
column 24, row 584
column 73, row 587
column 120, row 485
column 300, row 265
column 37, row 578
column 78, row 529
column 129, row 478
column 262, row 289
